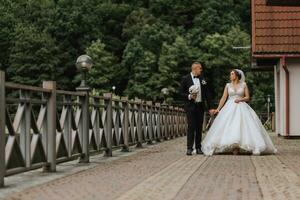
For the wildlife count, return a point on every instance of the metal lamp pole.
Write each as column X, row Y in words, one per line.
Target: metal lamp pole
column 84, row 63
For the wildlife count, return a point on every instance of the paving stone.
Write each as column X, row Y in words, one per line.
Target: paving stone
column 165, row 172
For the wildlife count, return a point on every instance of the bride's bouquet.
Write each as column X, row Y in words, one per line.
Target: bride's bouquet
column 194, row 89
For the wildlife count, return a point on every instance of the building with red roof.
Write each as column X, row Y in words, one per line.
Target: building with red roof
column 276, row 46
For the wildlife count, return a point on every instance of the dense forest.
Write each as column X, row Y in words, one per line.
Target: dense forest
column 139, row 46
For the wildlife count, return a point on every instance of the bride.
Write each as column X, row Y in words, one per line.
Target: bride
column 237, row 125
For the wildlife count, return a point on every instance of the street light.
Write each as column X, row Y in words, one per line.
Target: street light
column 165, row 92
column 114, row 88
column 84, row 63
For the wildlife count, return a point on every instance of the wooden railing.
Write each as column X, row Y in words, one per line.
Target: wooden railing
column 43, row 126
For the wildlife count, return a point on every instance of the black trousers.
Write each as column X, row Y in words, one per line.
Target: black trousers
column 195, row 115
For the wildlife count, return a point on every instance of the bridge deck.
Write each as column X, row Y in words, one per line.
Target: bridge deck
column 162, row 171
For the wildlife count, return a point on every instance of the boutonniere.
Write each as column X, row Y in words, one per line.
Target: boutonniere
column 203, row 82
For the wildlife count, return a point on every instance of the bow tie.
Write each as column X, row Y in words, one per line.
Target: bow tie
column 196, row 76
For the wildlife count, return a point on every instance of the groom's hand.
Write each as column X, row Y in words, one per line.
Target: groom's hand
column 194, row 96
column 211, row 112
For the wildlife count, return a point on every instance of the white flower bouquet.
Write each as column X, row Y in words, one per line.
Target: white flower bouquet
column 194, row 89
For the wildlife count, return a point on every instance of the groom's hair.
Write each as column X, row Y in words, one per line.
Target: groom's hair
column 196, row 63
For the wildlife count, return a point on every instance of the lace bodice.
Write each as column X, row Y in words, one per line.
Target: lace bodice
column 237, row 92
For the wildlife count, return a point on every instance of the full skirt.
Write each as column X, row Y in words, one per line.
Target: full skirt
column 237, row 125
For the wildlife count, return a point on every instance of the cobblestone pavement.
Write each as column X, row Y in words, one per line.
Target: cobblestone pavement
column 163, row 171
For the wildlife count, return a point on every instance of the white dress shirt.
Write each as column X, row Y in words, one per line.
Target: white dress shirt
column 196, row 81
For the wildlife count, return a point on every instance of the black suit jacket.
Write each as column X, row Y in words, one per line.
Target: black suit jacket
column 186, row 83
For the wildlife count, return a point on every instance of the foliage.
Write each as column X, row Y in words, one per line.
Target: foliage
column 138, row 46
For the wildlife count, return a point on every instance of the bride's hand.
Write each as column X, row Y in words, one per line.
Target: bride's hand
column 237, row 100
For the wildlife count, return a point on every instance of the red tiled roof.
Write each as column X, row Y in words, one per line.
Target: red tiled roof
column 275, row 29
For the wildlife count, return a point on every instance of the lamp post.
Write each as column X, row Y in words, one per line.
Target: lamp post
column 83, row 64
column 165, row 92
column 114, row 89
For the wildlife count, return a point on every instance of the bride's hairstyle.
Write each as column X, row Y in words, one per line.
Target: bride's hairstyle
column 237, row 74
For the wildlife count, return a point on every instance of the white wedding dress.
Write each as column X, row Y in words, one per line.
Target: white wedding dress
column 237, row 125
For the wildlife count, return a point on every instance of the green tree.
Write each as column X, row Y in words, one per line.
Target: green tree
column 33, row 57
column 176, row 13
column 174, row 61
column 214, row 17
column 220, row 57
column 106, row 69
column 141, row 64
column 151, row 37
column 7, row 24
column 135, row 22
column 138, row 46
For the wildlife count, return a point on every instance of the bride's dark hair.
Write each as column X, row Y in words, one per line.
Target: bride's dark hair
column 237, row 74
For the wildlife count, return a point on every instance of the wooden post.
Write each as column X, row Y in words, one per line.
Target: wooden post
column 85, row 156
column 108, row 125
column 139, row 123
column 174, row 122
column 165, row 121
column 157, row 107
column 2, row 128
column 150, row 122
column 125, row 147
column 51, row 126
column 171, row 122
column 177, row 122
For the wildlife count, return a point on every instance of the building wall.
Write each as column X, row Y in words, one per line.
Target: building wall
column 277, row 99
column 294, row 69
column 293, row 65
column 282, row 112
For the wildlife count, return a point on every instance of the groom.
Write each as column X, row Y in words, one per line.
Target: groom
column 194, row 106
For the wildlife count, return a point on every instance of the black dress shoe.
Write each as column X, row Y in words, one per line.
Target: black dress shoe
column 199, row 151
column 189, row 152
